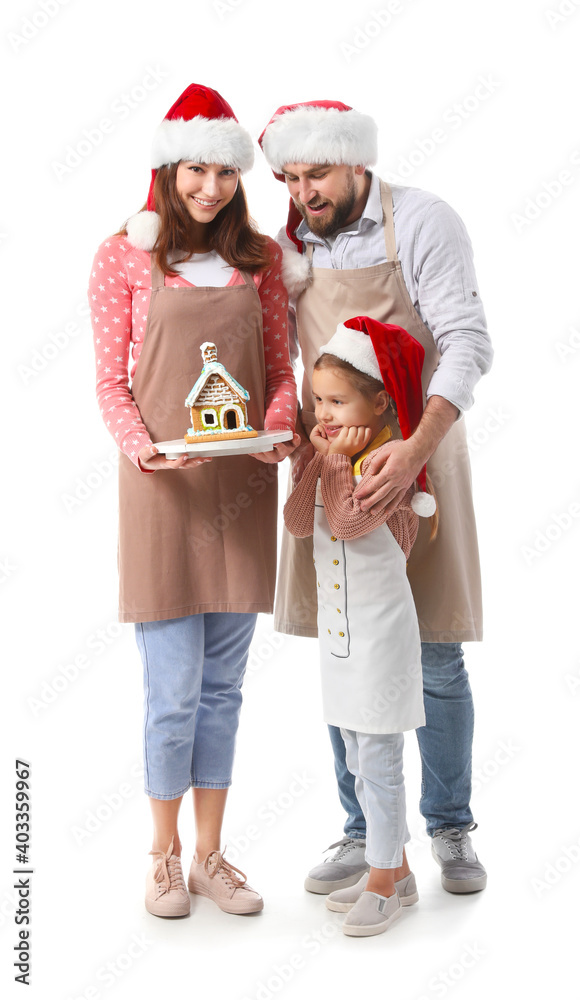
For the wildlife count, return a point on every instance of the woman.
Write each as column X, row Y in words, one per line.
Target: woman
column 196, row 545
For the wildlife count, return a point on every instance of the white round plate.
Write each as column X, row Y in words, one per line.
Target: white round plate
column 265, row 441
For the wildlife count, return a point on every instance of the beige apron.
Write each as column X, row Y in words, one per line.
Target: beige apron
column 201, row 539
column 444, row 574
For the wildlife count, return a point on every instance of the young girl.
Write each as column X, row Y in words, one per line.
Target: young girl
column 367, row 624
column 192, row 269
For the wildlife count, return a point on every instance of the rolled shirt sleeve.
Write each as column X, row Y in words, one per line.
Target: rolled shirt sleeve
column 449, row 303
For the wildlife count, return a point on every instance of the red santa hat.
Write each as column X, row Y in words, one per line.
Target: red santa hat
column 200, row 126
column 318, row 132
column 390, row 354
column 314, row 132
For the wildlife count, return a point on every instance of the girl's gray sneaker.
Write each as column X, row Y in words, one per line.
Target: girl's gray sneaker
column 371, row 914
column 343, row 900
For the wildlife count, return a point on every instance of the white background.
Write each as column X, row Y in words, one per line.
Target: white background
column 512, row 70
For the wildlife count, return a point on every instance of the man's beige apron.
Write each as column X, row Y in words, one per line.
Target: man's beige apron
column 444, row 574
column 202, row 539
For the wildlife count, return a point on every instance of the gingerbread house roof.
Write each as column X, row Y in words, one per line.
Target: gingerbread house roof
column 215, row 368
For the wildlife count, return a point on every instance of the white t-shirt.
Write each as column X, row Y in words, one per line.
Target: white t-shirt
column 205, row 269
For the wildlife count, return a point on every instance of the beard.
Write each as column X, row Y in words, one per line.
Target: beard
column 336, row 218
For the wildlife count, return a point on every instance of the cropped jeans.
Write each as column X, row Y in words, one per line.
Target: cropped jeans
column 376, row 762
column 193, row 669
column 445, row 744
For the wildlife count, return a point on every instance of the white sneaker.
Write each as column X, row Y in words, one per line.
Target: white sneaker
column 371, row 914
column 344, row 899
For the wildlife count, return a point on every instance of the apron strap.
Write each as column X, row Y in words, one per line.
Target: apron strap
column 249, row 279
column 157, row 276
column 387, row 203
column 309, row 251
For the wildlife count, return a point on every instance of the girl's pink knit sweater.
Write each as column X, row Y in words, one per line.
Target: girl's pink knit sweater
column 343, row 513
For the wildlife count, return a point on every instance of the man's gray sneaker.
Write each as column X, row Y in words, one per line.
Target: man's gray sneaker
column 460, row 869
column 344, row 868
column 343, row 900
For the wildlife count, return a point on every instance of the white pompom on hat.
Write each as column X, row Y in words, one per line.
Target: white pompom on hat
column 390, row 354
column 202, row 127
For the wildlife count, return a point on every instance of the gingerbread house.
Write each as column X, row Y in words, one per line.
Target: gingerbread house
column 217, row 403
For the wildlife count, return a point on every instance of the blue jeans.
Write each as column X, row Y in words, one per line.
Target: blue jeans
column 444, row 744
column 193, row 669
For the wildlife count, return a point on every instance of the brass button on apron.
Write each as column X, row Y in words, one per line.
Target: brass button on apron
column 335, row 562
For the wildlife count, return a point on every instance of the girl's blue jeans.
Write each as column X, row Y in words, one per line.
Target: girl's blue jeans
column 445, row 744
column 193, row 669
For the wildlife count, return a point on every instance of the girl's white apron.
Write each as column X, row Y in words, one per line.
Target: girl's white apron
column 368, row 631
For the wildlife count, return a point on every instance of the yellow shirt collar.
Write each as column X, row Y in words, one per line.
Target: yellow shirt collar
column 381, row 438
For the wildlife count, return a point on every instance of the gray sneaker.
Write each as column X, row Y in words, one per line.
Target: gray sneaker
column 371, row 914
column 343, row 900
column 461, row 871
column 344, row 868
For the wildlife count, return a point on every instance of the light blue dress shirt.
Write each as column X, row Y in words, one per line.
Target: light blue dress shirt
column 437, row 264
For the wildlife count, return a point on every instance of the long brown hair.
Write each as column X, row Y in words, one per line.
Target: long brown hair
column 232, row 234
column 368, row 387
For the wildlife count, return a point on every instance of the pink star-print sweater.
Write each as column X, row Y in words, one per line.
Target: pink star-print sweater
column 119, row 294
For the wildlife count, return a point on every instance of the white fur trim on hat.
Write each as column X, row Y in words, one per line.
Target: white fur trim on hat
column 355, row 347
column 318, row 135
column 424, row 504
column 143, row 230
column 204, row 140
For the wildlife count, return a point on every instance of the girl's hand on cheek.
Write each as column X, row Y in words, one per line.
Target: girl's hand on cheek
column 350, row 440
column 319, row 440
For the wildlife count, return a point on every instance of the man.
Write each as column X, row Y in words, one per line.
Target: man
column 355, row 246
